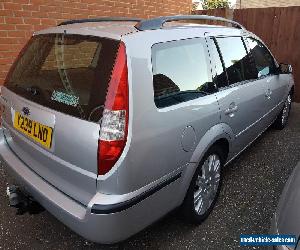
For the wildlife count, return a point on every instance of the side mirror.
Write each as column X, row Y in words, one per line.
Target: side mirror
column 285, row 68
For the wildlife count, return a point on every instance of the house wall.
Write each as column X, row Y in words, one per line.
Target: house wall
column 242, row 4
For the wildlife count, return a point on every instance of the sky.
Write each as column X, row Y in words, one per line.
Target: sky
column 232, row 2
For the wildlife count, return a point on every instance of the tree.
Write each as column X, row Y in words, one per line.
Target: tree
column 195, row 6
column 214, row 4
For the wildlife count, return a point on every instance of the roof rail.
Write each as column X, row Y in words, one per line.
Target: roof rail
column 157, row 23
column 101, row 19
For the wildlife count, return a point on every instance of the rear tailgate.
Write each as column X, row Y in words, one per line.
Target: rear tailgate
column 54, row 97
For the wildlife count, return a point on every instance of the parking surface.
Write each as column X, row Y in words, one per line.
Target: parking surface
column 251, row 189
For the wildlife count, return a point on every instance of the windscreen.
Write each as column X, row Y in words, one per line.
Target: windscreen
column 67, row 73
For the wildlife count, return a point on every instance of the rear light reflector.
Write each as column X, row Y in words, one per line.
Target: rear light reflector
column 114, row 123
column 109, row 153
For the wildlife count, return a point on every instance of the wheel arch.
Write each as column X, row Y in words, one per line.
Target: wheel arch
column 220, row 134
column 223, row 143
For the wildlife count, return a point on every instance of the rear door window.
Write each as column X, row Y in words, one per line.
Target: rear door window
column 180, row 72
column 237, row 61
column 67, row 73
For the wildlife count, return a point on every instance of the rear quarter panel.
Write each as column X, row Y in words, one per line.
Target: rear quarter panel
column 154, row 147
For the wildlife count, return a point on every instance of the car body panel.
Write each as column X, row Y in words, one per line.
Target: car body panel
column 215, row 133
column 95, row 227
column 287, row 213
column 246, row 122
column 113, row 30
column 73, row 173
column 147, row 124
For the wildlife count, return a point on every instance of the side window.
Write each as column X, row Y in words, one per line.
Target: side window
column 180, row 72
column 236, row 60
column 220, row 78
column 264, row 61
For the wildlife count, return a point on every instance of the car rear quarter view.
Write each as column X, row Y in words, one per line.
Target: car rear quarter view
column 111, row 123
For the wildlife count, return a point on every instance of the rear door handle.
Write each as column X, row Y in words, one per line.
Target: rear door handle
column 233, row 108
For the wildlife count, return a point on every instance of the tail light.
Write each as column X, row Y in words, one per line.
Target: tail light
column 114, row 125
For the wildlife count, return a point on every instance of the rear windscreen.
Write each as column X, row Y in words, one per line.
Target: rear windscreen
column 67, row 73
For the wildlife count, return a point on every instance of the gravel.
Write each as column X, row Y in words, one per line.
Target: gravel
column 251, row 189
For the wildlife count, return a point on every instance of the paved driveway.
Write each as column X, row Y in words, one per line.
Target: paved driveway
column 251, row 189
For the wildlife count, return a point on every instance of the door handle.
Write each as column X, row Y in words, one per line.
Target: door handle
column 233, row 108
column 268, row 93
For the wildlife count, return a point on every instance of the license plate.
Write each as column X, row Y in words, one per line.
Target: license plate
column 34, row 130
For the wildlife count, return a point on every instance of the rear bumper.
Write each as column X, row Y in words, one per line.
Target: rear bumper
column 107, row 218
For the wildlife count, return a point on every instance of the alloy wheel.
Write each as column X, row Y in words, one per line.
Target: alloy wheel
column 207, row 184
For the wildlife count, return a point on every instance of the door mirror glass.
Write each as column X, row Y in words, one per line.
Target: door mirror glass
column 285, row 68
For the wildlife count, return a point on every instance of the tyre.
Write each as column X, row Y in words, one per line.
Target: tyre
column 282, row 119
column 205, row 187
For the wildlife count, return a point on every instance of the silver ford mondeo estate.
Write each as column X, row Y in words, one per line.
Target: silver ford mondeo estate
column 111, row 123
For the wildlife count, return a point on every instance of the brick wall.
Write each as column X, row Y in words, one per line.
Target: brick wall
column 19, row 18
column 241, row 4
column 75, row 55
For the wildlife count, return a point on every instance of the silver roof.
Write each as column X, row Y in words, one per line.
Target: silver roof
column 114, row 30
column 117, row 29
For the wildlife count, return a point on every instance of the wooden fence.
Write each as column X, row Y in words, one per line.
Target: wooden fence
column 279, row 28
